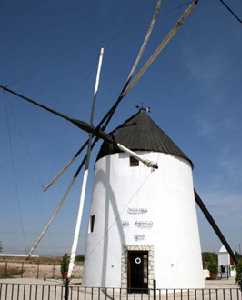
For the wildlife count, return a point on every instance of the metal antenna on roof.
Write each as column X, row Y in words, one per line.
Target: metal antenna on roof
column 143, row 107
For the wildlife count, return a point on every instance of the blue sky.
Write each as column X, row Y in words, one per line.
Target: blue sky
column 49, row 51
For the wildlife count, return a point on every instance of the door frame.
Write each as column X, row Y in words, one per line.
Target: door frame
column 151, row 262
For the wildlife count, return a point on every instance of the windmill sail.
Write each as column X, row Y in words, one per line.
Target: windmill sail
column 107, row 117
column 215, row 227
column 130, row 83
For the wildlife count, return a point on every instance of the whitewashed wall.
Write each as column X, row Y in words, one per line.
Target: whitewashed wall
column 223, row 259
column 167, row 195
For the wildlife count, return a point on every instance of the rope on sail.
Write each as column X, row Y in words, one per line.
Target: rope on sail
column 52, row 217
column 59, row 174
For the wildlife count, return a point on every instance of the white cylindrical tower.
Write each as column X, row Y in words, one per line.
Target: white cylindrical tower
column 143, row 224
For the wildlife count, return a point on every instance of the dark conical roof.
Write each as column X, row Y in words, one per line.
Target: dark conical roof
column 140, row 133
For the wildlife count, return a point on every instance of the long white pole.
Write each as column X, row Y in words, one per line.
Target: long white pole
column 84, row 183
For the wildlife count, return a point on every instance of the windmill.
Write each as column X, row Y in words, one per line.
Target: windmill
column 97, row 132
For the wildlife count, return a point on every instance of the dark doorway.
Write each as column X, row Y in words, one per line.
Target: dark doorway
column 137, row 272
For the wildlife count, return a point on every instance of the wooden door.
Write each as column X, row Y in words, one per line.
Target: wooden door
column 137, row 267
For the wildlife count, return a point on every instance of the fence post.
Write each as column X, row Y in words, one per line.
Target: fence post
column 66, row 288
column 6, row 269
column 154, row 287
column 37, row 275
column 53, row 275
column 22, row 270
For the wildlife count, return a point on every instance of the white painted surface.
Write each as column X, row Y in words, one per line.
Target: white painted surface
column 206, row 273
column 78, row 224
column 167, row 194
column 223, row 257
column 233, row 273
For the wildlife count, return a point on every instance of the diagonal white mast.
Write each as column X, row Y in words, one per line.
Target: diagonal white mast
column 84, row 183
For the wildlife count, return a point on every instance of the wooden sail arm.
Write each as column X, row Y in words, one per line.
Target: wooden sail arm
column 215, row 227
column 97, row 132
column 132, row 79
column 109, row 114
column 168, row 38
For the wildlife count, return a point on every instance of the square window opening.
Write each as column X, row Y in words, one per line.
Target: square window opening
column 91, row 223
column 133, row 162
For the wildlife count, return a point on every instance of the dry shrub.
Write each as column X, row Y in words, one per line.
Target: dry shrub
column 11, row 271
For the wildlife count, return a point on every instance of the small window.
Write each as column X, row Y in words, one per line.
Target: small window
column 92, row 223
column 133, row 161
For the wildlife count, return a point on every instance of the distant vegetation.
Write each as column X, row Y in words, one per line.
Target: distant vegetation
column 43, row 260
column 1, row 247
column 10, row 272
column 238, row 256
column 238, row 278
column 64, row 265
column 80, row 258
column 210, row 262
column 209, row 258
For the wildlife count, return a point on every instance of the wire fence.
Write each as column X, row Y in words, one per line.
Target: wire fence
column 34, row 270
column 56, row 292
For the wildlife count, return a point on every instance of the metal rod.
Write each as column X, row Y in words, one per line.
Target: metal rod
column 154, row 288
column 66, row 295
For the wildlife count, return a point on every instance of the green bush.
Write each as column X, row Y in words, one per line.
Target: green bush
column 212, row 267
column 80, row 258
column 238, row 277
column 209, row 258
column 64, row 265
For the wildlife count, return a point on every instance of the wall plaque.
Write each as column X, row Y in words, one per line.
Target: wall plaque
column 139, row 237
column 137, row 211
column 144, row 224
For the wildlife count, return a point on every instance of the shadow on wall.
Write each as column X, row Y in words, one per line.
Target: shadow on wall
column 104, row 178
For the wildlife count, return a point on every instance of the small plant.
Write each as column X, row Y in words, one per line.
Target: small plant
column 238, row 277
column 64, row 266
column 213, row 269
